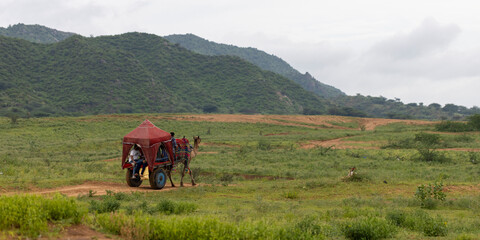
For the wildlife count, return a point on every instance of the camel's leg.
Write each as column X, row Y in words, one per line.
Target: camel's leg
column 169, row 173
column 191, row 176
column 183, row 174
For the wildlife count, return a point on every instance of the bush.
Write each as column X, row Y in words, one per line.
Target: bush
column 309, row 226
column 147, row 227
column 170, row 207
column 474, row 121
column 421, row 221
column 290, row 195
column 450, row 126
column 397, row 217
column 427, row 139
column 428, row 195
column 435, row 227
column 61, row 207
column 368, row 228
column 30, row 214
column 108, row 204
column 431, row 155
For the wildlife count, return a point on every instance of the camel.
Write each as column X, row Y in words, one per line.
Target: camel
column 186, row 161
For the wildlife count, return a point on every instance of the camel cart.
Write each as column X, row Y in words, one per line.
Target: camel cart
column 157, row 149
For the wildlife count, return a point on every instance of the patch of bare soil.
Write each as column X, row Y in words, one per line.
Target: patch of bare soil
column 219, row 144
column 337, row 143
column 294, row 120
column 460, row 149
column 80, row 232
column 254, row 177
column 98, row 188
column 280, row 134
column 470, row 189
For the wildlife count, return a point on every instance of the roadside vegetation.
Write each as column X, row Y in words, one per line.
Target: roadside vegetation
column 256, row 181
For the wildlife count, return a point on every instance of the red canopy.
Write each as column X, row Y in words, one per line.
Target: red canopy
column 149, row 137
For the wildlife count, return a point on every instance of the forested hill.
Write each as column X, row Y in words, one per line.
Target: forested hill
column 138, row 72
column 260, row 58
column 35, row 33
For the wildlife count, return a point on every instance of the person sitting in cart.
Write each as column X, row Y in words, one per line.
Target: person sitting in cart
column 136, row 156
column 162, row 153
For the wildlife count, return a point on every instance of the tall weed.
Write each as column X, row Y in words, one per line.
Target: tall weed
column 368, row 228
column 30, row 214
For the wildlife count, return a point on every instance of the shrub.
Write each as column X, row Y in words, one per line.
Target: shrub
column 170, row 207
column 397, row 217
column 428, row 194
column 368, row 228
column 450, row 126
column 427, row 139
column 290, row 195
column 309, row 226
column 431, row 155
column 61, row 207
column 435, row 227
column 30, row 214
column 474, row 121
column 107, row 204
column 146, row 227
column 414, row 221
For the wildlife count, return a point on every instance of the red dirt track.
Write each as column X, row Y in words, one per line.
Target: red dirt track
column 295, row 120
column 99, row 188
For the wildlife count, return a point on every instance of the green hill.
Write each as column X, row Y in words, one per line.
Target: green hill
column 260, row 58
column 138, row 72
column 35, row 33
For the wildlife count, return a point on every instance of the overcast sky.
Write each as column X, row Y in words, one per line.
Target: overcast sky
column 419, row 51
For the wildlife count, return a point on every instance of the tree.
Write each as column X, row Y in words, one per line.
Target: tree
column 435, row 106
column 474, row 121
column 452, row 108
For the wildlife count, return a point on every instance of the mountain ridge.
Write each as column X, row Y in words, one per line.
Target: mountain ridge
column 138, row 72
column 29, row 65
column 35, row 33
column 260, row 58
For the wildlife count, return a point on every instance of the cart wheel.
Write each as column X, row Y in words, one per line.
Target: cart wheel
column 158, row 178
column 132, row 182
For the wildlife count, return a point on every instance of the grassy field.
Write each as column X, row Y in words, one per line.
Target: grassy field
column 257, row 181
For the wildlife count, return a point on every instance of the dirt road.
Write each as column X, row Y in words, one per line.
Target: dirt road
column 296, row 120
column 96, row 188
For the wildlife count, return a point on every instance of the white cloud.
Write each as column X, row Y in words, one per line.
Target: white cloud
column 430, row 37
column 418, row 66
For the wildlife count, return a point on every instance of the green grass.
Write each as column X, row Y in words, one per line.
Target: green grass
column 302, row 195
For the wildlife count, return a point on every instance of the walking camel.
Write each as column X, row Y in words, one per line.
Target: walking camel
column 190, row 154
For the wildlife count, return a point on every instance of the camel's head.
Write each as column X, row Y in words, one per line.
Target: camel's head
column 197, row 139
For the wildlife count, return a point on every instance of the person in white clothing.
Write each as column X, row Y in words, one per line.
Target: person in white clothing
column 138, row 160
column 134, row 154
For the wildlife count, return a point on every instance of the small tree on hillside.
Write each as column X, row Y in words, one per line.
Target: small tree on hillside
column 474, row 121
column 427, row 145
